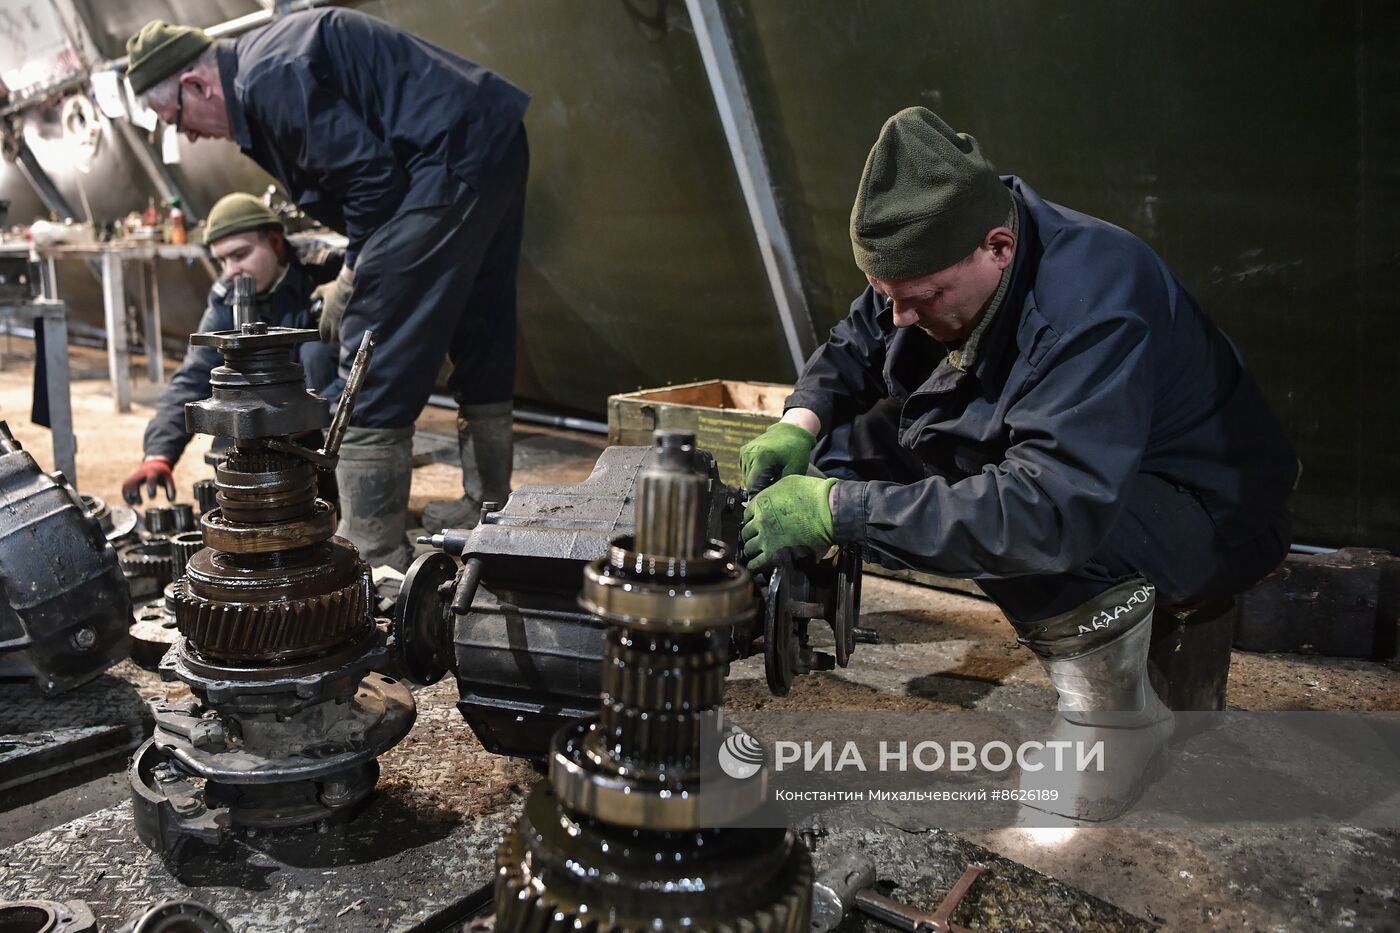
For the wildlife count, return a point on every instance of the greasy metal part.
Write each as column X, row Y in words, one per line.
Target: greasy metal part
column 260, row 390
column 353, row 383
column 526, row 659
column 184, row 517
column 183, row 546
column 27, row 758
column 149, row 565
column 244, row 310
column 422, row 611
column 278, row 640
column 159, row 521
column 46, row 917
column 849, row 885
column 177, row 917
column 118, row 525
column 834, row 891
column 274, row 607
column 621, row 829
column 66, row 607
column 205, row 495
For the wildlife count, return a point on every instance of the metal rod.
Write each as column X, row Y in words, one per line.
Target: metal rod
column 40, row 181
column 243, row 309
column 114, row 314
column 54, row 321
column 336, row 433
column 528, row 416
column 718, row 52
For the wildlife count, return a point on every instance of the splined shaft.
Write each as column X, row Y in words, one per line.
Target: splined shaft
column 620, row 838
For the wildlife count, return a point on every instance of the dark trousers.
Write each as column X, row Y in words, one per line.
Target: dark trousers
column 441, row 282
column 1163, row 533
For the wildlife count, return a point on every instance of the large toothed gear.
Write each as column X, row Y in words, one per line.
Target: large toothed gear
column 273, row 631
column 748, row 886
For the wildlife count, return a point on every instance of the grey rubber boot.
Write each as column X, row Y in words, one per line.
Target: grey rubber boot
column 1106, row 699
column 374, row 475
column 486, row 447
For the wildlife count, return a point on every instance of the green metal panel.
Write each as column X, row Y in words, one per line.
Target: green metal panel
column 639, row 267
column 1255, row 145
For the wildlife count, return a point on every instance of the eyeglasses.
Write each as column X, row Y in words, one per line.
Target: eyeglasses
column 179, row 104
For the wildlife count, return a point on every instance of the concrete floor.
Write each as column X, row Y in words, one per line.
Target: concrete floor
column 939, row 651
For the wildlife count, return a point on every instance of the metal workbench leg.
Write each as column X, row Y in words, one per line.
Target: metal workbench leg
column 114, row 311
column 54, row 320
column 150, row 294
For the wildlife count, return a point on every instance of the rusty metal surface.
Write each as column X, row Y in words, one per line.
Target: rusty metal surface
column 426, row 839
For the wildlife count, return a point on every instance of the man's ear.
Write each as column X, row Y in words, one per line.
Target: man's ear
column 196, row 83
column 1002, row 244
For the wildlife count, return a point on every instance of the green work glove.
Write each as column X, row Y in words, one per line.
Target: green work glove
column 334, row 296
column 782, row 450
column 791, row 518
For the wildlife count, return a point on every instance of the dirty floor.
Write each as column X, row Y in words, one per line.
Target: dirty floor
column 938, row 651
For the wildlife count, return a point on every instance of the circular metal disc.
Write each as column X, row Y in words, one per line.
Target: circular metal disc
column 778, row 635
column 847, row 599
column 421, row 630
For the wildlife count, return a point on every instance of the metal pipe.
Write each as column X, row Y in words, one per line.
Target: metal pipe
column 438, row 400
column 353, row 383
column 40, row 181
column 1310, row 549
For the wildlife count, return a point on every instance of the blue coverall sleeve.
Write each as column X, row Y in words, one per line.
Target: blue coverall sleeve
column 321, row 132
column 845, row 376
column 1078, row 434
column 165, row 434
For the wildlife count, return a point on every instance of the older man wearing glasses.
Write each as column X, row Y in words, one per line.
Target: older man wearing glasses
column 419, row 157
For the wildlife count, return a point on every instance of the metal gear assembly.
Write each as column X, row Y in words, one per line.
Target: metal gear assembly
column 277, row 635
column 620, row 837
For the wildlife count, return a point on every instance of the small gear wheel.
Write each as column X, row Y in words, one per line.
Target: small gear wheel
column 150, row 559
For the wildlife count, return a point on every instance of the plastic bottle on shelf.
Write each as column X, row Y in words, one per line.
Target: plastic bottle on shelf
column 178, row 234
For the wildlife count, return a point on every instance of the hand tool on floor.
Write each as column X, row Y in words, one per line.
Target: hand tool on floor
column 849, row 884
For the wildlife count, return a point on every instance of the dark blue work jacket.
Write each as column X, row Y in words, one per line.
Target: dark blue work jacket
column 359, row 120
column 1099, row 365
column 287, row 305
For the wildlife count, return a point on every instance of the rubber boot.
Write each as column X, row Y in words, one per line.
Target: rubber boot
column 374, row 476
column 1105, row 697
column 486, row 440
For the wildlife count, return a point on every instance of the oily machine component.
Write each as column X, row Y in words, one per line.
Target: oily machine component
column 66, row 610
column 620, row 837
column 277, row 635
column 499, row 607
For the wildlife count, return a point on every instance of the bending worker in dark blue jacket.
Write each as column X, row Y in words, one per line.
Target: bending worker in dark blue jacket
column 1026, row 396
column 419, row 157
column 246, row 238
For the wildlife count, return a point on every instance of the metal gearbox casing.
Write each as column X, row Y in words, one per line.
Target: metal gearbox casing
column 508, row 624
column 67, row 611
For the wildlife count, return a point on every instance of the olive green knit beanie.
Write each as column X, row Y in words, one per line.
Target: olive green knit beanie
column 238, row 213
column 159, row 50
column 926, row 199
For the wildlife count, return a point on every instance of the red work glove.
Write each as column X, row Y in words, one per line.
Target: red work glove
column 153, row 471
